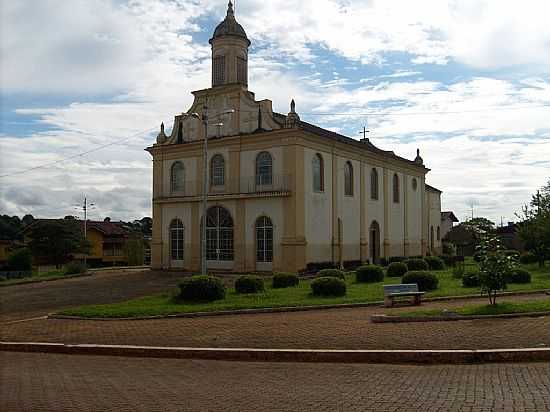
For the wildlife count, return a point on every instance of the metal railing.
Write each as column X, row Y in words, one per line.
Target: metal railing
column 243, row 185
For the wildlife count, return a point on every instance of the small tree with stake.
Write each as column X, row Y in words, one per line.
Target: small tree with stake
column 494, row 267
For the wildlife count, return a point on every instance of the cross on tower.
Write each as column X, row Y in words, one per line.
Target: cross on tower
column 364, row 132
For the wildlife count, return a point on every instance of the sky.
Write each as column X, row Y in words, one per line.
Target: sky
column 465, row 81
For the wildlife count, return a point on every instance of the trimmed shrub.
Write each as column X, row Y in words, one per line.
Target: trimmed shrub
column 470, row 280
column 392, row 259
column 519, row 276
column 335, row 273
column 528, row 258
column 75, row 267
column 435, row 263
column 425, row 280
column 328, row 286
column 383, row 262
column 202, row 288
column 369, row 274
column 21, row 259
column 416, row 264
column 249, row 284
column 285, row 280
column 458, row 272
column 315, row 267
column 396, row 269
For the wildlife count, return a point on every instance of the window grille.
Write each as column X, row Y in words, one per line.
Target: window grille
column 264, row 169
column 176, row 239
column 218, row 71
column 217, row 170
column 264, row 239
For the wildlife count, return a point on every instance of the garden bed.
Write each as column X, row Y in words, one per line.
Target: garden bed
column 299, row 296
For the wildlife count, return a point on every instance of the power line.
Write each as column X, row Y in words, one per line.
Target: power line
column 45, row 165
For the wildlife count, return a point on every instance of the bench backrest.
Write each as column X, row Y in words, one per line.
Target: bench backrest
column 400, row 288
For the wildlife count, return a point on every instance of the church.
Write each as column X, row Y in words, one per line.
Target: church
column 283, row 194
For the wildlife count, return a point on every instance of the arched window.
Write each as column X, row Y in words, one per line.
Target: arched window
column 374, row 184
column 348, row 179
column 414, row 184
column 242, row 66
column 318, row 173
column 374, row 241
column 264, row 239
column 264, row 169
column 395, row 188
column 217, row 170
column 176, row 239
column 219, row 234
column 438, row 233
column 177, row 177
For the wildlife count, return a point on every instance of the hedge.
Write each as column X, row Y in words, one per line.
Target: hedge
column 249, row 284
column 425, row 280
column 519, row 276
column 434, row 263
column 528, row 258
column 75, row 267
column 203, row 288
column 416, row 264
column 393, row 259
column 369, row 274
column 396, row 269
column 470, row 280
column 285, row 280
column 328, row 286
column 331, row 272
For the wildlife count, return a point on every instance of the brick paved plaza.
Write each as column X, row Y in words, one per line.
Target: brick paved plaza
column 48, row 382
column 40, row 382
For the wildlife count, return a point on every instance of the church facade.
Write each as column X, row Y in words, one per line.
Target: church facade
column 283, row 193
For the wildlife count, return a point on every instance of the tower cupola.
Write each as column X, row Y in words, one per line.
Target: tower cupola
column 229, row 52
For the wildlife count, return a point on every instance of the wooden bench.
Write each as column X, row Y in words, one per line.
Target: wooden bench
column 404, row 289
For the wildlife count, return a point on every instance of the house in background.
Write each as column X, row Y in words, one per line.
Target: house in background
column 5, row 250
column 108, row 243
column 510, row 238
column 448, row 219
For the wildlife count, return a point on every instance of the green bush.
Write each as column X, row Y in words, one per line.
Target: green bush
column 416, row 264
column 328, row 286
column 512, row 252
column 285, row 280
column 369, row 274
column 21, row 259
column 75, row 267
column 458, row 272
column 396, row 269
column 425, row 280
column 470, row 280
column 393, row 259
column 519, row 276
column 435, row 263
column 249, row 284
column 528, row 258
column 449, row 260
column 383, row 262
column 202, row 288
column 335, row 273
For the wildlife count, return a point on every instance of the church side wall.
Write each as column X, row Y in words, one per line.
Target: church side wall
column 414, row 219
column 374, row 208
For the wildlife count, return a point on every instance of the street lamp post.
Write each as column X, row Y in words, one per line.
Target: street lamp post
column 204, row 120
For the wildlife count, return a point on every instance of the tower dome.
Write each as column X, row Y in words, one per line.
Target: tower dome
column 229, row 26
column 229, row 52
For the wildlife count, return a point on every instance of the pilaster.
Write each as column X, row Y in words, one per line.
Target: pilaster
column 387, row 207
column 364, row 246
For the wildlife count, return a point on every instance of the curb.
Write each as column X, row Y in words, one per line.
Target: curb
column 290, row 355
column 285, row 308
column 452, row 317
column 52, row 279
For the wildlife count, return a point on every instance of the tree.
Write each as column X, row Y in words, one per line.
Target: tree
column 494, row 266
column 479, row 227
column 534, row 227
column 10, row 228
column 27, row 220
column 56, row 240
column 20, row 259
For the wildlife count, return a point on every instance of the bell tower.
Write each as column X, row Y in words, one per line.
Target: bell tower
column 229, row 52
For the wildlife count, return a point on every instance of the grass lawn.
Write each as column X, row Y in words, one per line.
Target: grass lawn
column 541, row 305
column 165, row 304
column 50, row 275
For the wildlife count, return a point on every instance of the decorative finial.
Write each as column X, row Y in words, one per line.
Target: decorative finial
column 292, row 119
column 230, row 11
column 292, row 106
column 162, row 127
column 418, row 159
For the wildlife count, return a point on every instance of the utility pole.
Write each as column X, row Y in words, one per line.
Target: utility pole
column 85, row 206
